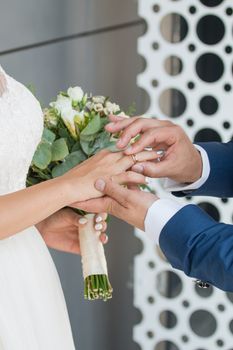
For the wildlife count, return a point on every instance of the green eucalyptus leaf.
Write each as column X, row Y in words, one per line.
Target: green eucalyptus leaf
column 92, row 127
column 48, row 135
column 101, row 142
column 76, row 147
column 69, row 162
column 59, row 150
column 88, row 138
column 43, row 155
column 112, row 147
column 87, row 147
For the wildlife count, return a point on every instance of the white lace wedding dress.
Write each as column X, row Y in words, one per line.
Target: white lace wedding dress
column 33, row 314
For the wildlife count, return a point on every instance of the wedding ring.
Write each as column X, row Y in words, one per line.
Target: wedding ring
column 134, row 158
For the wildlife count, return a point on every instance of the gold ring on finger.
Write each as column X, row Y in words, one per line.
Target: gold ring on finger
column 134, row 158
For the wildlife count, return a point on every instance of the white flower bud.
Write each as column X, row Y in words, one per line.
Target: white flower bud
column 79, row 117
column 75, row 93
column 68, row 117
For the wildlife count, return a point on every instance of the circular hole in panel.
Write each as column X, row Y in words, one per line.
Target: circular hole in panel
column 210, row 209
column 185, row 338
column 209, row 67
column 185, row 303
column 192, row 10
column 204, row 292
column 229, row 11
column 209, row 105
column 155, row 45
column 228, row 49
column 179, row 25
column 155, row 83
column 221, row 307
column 151, row 264
column 166, row 344
column 203, row 323
column 230, row 296
column 227, row 87
column 211, row 3
column 188, row 198
column 231, row 326
column 168, row 319
column 190, row 122
column 210, row 29
column 226, row 125
column 168, row 284
column 172, row 103
column 150, row 334
column 220, row 342
column 151, row 300
column 224, row 200
column 173, row 65
column 156, row 8
column 207, row 135
column 192, row 47
column 191, row 85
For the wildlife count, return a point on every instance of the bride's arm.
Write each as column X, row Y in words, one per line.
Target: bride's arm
column 27, row 207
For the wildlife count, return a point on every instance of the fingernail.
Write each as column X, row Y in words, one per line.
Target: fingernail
column 83, row 221
column 100, row 185
column 110, row 125
column 98, row 227
column 99, row 219
column 105, row 239
column 138, row 168
column 129, row 149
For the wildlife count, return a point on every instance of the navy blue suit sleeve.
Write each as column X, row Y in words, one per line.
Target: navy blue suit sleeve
column 220, row 181
column 201, row 247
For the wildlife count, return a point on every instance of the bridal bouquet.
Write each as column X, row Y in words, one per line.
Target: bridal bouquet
column 74, row 131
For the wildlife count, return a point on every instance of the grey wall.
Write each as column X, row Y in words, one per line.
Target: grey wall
column 105, row 63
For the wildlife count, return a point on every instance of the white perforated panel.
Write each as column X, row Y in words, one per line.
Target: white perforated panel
column 177, row 315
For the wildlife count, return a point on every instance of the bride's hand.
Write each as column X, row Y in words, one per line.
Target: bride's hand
column 60, row 231
column 80, row 180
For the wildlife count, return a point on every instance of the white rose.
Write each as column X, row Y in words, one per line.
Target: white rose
column 98, row 99
column 98, row 107
column 62, row 104
column 75, row 93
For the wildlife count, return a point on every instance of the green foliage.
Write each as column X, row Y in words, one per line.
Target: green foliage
column 59, row 150
column 43, row 155
column 69, row 162
column 92, row 127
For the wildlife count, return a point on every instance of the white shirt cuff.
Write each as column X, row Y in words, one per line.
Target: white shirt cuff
column 173, row 186
column 158, row 215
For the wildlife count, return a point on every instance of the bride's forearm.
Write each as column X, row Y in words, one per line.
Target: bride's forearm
column 28, row 207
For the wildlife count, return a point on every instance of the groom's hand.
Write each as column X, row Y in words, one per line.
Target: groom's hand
column 130, row 205
column 181, row 162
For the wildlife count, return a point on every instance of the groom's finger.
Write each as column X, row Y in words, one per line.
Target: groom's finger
column 153, row 137
column 153, row 170
column 113, row 190
column 129, row 177
column 119, row 123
